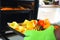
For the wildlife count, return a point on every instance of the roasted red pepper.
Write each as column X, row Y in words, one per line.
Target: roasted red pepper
column 41, row 23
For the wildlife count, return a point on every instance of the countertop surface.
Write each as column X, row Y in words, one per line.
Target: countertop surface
column 50, row 12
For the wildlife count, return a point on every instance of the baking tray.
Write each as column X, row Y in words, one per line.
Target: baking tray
column 19, row 33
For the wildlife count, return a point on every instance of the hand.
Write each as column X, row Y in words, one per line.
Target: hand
column 47, row 34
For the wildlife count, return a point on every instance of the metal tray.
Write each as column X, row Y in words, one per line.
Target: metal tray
column 19, row 33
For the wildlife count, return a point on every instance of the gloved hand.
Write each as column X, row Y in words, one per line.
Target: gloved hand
column 47, row 34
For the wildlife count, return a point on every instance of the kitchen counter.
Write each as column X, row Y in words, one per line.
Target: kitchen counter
column 49, row 11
